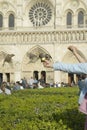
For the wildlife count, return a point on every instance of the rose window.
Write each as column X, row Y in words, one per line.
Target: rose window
column 40, row 14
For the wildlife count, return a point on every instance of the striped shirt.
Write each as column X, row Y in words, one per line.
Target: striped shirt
column 76, row 68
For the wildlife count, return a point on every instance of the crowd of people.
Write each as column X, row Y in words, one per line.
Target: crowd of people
column 32, row 83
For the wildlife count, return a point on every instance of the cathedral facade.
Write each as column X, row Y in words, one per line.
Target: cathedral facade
column 35, row 26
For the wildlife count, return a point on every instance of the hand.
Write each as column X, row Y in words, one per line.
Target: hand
column 73, row 49
column 44, row 57
column 78, row 54
column 48, row 64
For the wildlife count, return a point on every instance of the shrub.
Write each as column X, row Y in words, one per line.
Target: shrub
column 41, row 109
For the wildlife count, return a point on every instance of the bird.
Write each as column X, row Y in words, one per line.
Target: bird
column 6, row 57
column 32, row 57
column 44, row 56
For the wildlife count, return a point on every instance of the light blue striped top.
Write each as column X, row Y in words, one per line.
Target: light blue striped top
column 77, row 68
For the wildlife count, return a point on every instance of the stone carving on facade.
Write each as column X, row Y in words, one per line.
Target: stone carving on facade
column 75, row 3
column 5, row 6
column 41, row 37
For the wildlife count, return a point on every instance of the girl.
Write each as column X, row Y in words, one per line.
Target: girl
column 78, row 68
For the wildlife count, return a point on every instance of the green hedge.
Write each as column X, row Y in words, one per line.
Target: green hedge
column 41, row 109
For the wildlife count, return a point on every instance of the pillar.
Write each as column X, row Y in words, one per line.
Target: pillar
column 17, row 76
column 4, row 77
column 57, row 77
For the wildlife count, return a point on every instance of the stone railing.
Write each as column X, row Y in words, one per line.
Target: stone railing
column 43, row 37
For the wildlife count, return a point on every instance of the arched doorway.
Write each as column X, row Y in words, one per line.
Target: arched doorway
column 71, row 79
column 43, row 75
column 8, row 77
column 32, row 66
column 35, row 75
column 1, row 78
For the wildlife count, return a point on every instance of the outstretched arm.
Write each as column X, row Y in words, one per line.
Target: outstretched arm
column 79, row 68
column 80, row 57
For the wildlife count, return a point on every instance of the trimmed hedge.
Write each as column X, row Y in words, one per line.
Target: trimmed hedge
column 41, row 109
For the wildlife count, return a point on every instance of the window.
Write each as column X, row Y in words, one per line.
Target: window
column 11, row 21
column 40, row 14
column 80, row 19
column 1, row 21
column 69, row 20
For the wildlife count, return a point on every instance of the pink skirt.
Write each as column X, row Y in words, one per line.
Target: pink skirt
column 83, row 106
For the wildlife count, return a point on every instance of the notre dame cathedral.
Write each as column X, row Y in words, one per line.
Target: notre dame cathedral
column 29, row 27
